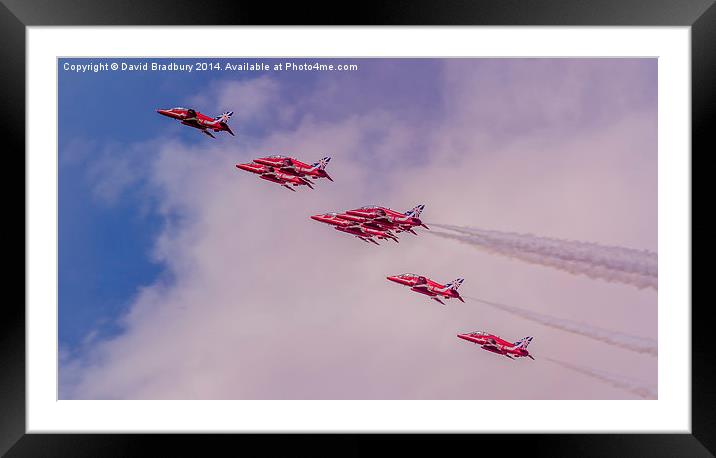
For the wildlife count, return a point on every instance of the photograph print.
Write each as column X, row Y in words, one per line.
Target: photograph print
column 357, row 228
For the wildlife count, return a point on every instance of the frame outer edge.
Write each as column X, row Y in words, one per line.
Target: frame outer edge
column 12, row 390
column 703, row 111
column 12, row 324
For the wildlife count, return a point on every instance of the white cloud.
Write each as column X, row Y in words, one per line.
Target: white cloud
column 253, row 101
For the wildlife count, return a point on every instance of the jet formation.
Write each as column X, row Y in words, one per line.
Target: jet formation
column 371, row 222
column 366, row 223
column 287, row 170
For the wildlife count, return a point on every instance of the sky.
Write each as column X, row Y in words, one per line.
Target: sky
column 181, row 277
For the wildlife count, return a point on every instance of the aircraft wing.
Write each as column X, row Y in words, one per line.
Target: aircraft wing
column 228, row 129
column 381, row 218
column 373, row 225
column 423, row 286
column 306, row 182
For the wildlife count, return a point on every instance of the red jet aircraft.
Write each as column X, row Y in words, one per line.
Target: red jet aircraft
column 424, row 285
column 274, row 175
column 193, row 118
column 495, row 344
column 364, row 233
column 385, row 218
column 295, row 167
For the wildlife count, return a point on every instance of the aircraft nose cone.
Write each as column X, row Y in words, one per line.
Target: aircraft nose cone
column 393, row 278
column 317, row 218
column 242, row 166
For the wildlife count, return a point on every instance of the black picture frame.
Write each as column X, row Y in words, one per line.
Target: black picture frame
column 16, row 15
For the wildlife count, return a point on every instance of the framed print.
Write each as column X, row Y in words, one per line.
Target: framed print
column 239, row 225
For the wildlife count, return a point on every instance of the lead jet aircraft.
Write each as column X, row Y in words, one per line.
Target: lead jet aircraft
column 495, row 344
column 423, row 285
column 192, row 118
column 274, row 175
column 387, row 219
column 364, row 233
column 295, row 167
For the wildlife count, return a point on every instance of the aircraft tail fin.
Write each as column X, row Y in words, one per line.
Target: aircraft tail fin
column 455, row 284
column 524, row 342
column 225, row 116
column 321, row 165
column 415, row 211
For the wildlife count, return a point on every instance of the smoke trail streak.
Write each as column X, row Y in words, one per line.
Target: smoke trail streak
column 617, row 381
column 611, row 263
column 617, row 339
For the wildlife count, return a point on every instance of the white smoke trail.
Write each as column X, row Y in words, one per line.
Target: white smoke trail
column 617, row 339
column 611, row 263
column 617, row 381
